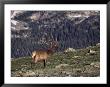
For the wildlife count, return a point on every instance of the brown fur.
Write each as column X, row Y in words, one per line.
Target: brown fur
column 43, row 55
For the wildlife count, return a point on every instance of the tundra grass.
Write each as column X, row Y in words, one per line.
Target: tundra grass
column 73, row 64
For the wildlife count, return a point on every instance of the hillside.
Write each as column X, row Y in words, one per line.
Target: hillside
column 78, row 63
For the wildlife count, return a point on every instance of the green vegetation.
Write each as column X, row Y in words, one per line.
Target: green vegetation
column 79, row 63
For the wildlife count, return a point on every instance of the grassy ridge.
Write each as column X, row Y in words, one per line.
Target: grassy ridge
column 72, row 64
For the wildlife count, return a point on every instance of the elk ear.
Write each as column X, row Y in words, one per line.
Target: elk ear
column 52, row 43
column 55, row 44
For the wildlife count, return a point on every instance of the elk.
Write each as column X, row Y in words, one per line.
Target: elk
column 43, row 55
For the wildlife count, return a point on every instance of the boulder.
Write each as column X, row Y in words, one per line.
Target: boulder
column 70, row 50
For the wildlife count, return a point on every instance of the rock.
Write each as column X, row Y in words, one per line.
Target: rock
column 98, row 44
column 91, row 52
column 95, row 64
column 76, row 56
column 29, row 73
column 70, row 50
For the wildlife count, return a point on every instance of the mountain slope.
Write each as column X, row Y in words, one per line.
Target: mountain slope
column 32, row 29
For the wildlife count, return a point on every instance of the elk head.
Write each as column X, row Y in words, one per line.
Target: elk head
column 53, row 45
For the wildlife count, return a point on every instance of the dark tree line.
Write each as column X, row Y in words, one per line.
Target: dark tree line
column 59, row 28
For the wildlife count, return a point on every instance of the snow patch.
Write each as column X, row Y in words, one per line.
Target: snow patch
column 15, row 13
column 14, row 22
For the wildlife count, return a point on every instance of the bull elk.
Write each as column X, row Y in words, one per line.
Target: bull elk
column 43, row 55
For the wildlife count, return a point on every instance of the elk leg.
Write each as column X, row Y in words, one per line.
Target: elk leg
column 44, row 63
